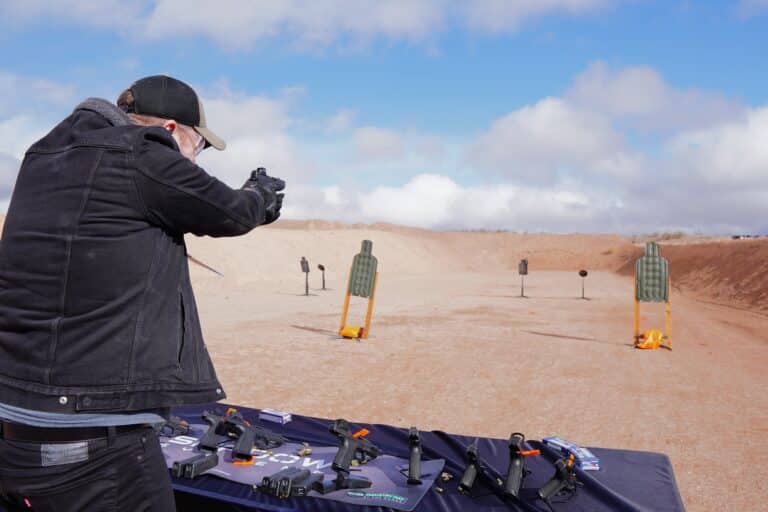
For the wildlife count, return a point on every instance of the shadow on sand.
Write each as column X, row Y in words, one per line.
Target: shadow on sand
column 539, row 297
column 329, row 332
column 576, row 338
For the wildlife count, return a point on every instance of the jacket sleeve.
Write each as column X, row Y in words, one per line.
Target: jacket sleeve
column 181, row 197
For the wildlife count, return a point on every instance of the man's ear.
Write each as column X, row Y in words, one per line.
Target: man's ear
column 170, row 125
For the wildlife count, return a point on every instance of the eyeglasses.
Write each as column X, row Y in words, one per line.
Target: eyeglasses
column 198, row 139
column 200, row 146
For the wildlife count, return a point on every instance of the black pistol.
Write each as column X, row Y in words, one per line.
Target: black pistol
column 248, row 435
column 563, row 480
column 261, row 177
column 516, row 471
column 473, row 468
column 174, row 426
column 414, row 459
column 214, row 436
column 232, row 426
column 353, row 446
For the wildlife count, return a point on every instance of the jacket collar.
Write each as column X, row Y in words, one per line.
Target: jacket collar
column 107, row 110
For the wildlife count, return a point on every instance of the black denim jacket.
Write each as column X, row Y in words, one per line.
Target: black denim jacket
column 97, row 311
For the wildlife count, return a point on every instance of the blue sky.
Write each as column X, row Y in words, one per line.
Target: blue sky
column 551, row 115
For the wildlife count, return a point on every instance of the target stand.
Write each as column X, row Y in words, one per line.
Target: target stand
column 363, row 276
column 653, row 284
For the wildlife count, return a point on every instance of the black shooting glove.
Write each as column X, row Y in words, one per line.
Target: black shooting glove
column 269, row 189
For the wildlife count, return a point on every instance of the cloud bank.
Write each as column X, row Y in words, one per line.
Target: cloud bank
column 307, row 24
column 561, row 163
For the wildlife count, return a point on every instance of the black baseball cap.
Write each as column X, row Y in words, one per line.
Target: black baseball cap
column 166, row 97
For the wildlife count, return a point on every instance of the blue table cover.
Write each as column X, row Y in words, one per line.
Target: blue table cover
column 629, row 481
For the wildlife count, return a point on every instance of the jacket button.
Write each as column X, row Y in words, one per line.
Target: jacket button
column 63, row 400
column 218, row 391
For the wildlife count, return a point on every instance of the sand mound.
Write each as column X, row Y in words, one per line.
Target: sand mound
column 721, row 270
column 729, row 272
column 273, row 254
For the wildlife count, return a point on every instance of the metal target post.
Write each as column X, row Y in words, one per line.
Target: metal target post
column 522, row 269
column 305, row 269
column 583, row 274
column 322, row 269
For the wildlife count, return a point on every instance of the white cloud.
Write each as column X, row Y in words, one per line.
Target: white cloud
column 752, row 7
column 562, row 164
column 311, row 202
column 341, row 122
column 708, row 174
column 26, row 104
column 709, row 179
column 256, row 129
column 22, row 94
column 308, row 24
column 640, row 95
column 9, row 169
column 733, row 154
column 242, row 23
column 427, row 200
column 430, row 147
column 535, row 142
column 333, row 195
column 712, row 180
column 232, row 115
column 19, row 132
column 506, row 15
column 373, row 143
column 101, row 14
column 620, row 166
column 436, row 201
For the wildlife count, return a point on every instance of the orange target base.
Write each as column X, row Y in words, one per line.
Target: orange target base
column 351, row 332
column 651, row 340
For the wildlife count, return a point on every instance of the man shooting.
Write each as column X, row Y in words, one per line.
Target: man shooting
column 99, row 331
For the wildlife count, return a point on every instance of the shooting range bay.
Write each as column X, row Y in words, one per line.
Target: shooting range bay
column 452, row 348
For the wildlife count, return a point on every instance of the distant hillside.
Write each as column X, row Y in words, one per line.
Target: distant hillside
column 730, row 272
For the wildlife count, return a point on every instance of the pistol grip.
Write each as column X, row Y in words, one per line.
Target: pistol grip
column 551, row 488
column 468, row 479
column 414, row 466
column 514, row 476
column 243, row 445
column 344, row 456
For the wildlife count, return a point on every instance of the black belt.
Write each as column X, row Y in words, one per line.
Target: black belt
column 19, row 432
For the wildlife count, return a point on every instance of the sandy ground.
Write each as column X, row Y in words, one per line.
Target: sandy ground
column 454, row 348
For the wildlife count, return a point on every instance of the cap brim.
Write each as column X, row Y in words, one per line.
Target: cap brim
column 211, row 138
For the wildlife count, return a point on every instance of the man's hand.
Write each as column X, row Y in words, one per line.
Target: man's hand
column 269, row 189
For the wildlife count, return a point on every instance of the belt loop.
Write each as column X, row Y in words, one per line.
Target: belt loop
column 111, row 433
